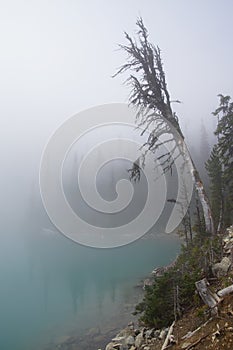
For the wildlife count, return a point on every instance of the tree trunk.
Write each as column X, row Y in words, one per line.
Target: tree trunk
column 220, row 222
column 145, row 60
column 190, row 226
column 165, row 344
column 209, row 298
column 225, row 291
column 200, row 190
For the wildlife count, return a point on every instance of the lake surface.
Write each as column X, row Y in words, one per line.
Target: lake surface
column 51, row 286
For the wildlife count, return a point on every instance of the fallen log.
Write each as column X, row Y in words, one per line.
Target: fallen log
column 209, row 298
column 166, row 342
column 190, row 334
column 190, row 346
column 225, row 291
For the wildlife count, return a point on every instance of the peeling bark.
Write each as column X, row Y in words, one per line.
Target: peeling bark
column 211, row 299
column 149, row 90
column 166, row 342
column 209, row 224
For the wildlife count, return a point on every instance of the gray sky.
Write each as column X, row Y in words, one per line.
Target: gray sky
column 57, row 58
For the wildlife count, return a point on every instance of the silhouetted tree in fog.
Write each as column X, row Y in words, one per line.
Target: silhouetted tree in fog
column 220, row 165
column 149, row 92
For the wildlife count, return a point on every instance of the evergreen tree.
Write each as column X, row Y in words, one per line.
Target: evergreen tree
column 224, row 133
column 214, row 169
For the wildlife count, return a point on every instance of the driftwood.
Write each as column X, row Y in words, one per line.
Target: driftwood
column 166, row 342
column 216, row 334
column 190, row 334
column 190, row 346
column 209, row 298
column 226, row 291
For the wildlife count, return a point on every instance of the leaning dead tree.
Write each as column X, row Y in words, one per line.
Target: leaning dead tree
column 149, row 92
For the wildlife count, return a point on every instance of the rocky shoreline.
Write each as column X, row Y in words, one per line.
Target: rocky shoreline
column 142, row 338
column 136, row 337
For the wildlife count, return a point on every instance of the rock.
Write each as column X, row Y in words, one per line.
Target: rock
column 109, row 346
column 118, row 339
column 147, row 283
column 130, row 340
column 144, row 331
column 113, row 346
column 125, row 332
column 149, row 333
column 136, row 331
column 221, row 269
column 154, row 340
column 230, row 230
column 172, row 339
column 157, row 333
column 139, row 340
column 131, row 324
column 162, row 334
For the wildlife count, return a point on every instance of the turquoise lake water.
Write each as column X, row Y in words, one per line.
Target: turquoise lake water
column 51, row 286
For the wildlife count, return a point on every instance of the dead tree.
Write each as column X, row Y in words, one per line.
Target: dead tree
column 149, row 92
column 209, row 298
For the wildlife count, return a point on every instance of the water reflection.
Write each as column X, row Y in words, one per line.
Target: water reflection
column 51, row 286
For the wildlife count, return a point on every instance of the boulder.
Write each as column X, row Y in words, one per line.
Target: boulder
column 157, row 333
column 109, row 346
column 130, row 340
column 131, row 326
column 149, row 333
column 221, row 269
column 137, row 331
column 163, row 334
column 139, row 340
column 115, row 346
column 147, row 283
column 118, row 339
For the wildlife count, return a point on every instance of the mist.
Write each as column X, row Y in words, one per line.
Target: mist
column 57, row 59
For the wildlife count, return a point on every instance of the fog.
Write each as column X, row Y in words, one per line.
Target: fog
column 57, row 58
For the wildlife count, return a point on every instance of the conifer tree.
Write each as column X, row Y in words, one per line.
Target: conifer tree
column 224, row 133
column 214, row 169
column 149, row 91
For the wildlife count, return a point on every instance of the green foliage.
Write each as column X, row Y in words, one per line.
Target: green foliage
column 201, row 312
column 158, row 307
column 220, row 164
